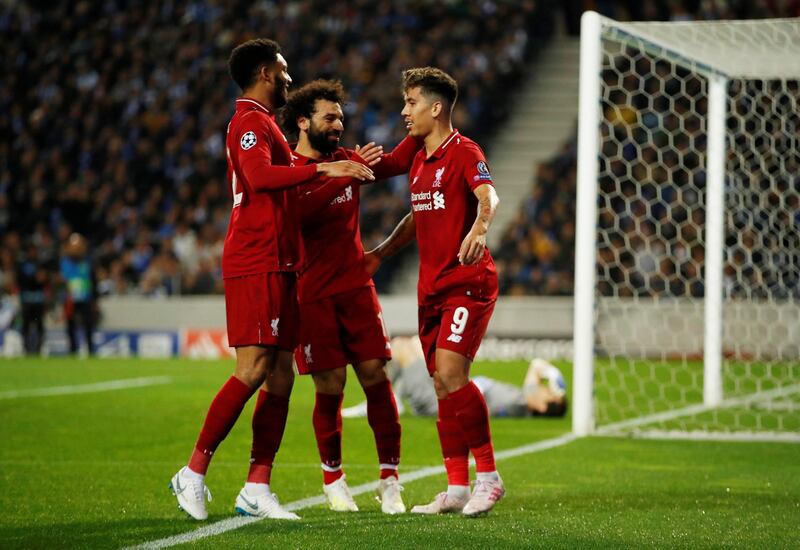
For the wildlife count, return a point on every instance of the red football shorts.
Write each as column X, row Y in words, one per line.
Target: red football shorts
column 341, row 329
column 456, row 324
column 261, row 310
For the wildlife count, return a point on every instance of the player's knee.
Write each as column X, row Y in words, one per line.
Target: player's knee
column 371, row 372
column 439, row 387
column 330, row 382
column 452, row 377
column 280, row 375
column 251, row 367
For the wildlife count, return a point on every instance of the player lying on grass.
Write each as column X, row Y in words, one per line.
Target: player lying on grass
column 453, row 203
column 543, row 392
column 340, row 317
column 259, row 264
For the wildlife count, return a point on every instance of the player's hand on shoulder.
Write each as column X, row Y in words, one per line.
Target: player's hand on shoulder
column 371, row 262
column 346, row 169
column 472, row 246
column 370, row 152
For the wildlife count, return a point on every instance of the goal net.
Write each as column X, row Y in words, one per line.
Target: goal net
column 687, row 315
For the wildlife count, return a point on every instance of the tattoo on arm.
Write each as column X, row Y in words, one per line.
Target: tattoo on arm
column 487, row 206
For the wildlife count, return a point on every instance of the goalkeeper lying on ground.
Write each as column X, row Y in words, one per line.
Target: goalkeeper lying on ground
column 543, row 392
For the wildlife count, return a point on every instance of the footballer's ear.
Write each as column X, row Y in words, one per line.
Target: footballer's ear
column 303, row 123
column 265, row 72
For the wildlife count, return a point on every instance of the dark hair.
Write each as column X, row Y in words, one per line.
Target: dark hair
column 247, row 58
column 302, row 102
column 554, row 408
column 432, row 81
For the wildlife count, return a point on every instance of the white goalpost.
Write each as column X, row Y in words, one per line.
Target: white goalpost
column 687, row 257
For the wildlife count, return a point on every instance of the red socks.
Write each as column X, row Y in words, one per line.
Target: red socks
column 383, row 419
column 222, row 415
column 473, row 418
column 327, row 421
column 269, row 423
column 454, row 449
column 385, row 423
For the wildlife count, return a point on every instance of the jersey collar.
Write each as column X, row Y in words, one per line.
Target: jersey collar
column 442, row 149
column 243, row 103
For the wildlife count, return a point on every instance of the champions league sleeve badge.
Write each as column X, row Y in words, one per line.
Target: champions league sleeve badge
column 483, row 172
column 248, row 140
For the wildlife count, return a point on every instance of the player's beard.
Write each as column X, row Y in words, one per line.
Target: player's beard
column 280, row 94
column 322, row 141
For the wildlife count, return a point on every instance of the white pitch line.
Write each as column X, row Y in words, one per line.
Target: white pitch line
column 739, row 437
column 612, row 429
column 230, row 524
column 110, row 385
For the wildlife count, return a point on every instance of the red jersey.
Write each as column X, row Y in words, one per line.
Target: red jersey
column 264, row 231
column 444, row 208
column 333, row 254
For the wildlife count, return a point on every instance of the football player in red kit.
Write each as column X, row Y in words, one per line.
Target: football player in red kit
column 259, row 266
column 453, row 202
column 341, row 319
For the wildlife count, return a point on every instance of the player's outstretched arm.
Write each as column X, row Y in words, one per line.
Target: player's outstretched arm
column 474, row 243
column 387, row 165
column 404, row 233
column 345, row 169
column 399, row 161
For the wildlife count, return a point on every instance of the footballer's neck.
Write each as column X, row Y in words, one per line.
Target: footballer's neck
column 304, row 148
column 262, row 94
column 441, row 130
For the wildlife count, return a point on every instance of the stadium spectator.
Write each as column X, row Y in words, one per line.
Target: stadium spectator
column 80, row 296
column 33, row 279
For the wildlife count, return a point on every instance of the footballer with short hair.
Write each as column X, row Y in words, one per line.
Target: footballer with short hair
column 453, row 202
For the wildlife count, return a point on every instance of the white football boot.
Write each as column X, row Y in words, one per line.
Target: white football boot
column 484, row 496
column 191, row 492
column 339, row 497
column 389, row 496
column 442, row 504
column 263, row 505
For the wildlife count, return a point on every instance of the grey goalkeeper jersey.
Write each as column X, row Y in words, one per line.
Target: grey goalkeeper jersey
column 414, row 385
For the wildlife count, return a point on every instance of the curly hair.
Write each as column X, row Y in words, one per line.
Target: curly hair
column 432, row 82
column 248, row 57
column 302, row 102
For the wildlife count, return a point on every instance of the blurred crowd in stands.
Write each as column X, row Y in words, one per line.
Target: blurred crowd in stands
column 113, row 117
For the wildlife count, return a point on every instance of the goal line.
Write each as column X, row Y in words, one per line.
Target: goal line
column 619, row 428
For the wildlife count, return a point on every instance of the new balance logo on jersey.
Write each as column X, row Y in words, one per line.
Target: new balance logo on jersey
column 307, row 351
column 347, row 196
column 455, row 338
column 274, row 325
column 438, row 200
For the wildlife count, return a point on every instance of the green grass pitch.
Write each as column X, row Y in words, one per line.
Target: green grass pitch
column 91, row 471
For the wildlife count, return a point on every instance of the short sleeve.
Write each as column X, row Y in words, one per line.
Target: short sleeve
column 476, row 170
column 254, row 137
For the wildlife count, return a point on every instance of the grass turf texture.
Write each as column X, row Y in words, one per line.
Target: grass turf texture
column 91, row 470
